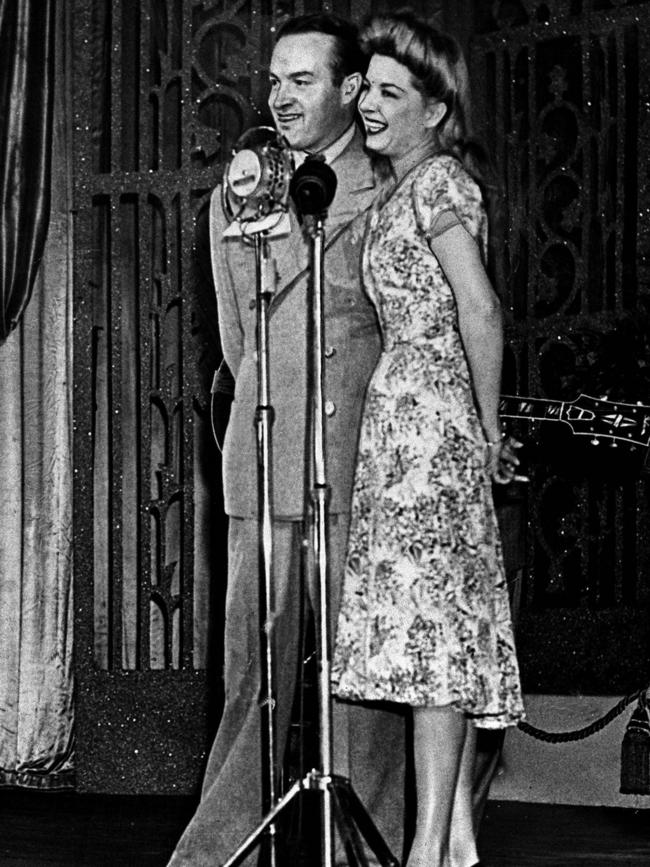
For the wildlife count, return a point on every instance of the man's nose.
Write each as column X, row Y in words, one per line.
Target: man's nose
column 281, row 96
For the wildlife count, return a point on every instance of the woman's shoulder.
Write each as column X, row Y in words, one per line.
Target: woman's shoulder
column 444, row 168
column 441, row 185
column 443, row 181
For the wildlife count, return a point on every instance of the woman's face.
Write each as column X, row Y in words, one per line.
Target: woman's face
column 396, row 116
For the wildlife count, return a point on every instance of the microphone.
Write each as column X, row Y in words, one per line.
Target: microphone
column 312, row 186
column 255, row 188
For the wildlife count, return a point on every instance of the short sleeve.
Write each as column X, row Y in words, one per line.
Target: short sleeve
column 442, row 221
column 445, row 195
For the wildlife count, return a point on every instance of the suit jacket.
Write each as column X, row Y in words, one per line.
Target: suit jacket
column 352, row 347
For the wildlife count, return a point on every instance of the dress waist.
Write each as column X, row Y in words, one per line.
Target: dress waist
column 422, row 341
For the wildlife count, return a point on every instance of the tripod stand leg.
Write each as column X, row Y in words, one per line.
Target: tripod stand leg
column 348, row 832
column 247, row 844
column 350, row 802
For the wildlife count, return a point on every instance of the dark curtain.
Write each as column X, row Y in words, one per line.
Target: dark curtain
column 26, row 100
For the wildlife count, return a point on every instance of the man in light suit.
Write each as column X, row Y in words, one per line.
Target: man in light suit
column 315, row 74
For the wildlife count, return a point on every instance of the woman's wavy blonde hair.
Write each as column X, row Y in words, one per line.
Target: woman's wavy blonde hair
column 439, row 71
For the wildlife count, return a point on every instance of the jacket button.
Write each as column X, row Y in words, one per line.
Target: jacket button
column 330, row 407
column 330, row 351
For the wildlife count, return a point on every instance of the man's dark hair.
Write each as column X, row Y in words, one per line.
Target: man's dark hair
column 347, row 56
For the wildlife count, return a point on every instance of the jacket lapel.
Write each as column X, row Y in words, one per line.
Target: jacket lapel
column 356, row 184
column 355, row 191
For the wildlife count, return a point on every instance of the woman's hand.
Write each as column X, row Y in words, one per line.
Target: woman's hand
column 503, row 460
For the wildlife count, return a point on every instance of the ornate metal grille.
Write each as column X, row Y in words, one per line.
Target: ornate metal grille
column 566, row 92
column 146, row 482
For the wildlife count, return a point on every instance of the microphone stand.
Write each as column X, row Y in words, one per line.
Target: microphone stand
column 264, row 416
column 321, row 493
column 313, row 186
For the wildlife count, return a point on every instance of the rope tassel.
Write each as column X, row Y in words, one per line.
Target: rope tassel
column 635, row 751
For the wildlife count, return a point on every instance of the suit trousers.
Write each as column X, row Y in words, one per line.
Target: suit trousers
column 368, row 742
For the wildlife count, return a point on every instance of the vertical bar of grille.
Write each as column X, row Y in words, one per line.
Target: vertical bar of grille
column 629, row 181
column 129, row 85
column 129, row 257
column 116, row 85
column 185, row 239
column 620, row 168
column 146, row 313
column 115, row 441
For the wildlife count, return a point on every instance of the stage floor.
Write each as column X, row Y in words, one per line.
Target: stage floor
column 68, row 830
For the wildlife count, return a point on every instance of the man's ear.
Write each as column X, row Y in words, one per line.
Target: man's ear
column 434, row 113
column 350, row 87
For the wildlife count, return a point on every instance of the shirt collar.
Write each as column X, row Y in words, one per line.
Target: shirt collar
column 331, row 152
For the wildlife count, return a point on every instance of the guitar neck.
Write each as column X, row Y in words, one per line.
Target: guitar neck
column 612, row 421
column 531, row 407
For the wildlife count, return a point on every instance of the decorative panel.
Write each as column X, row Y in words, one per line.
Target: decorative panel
column 566, row 98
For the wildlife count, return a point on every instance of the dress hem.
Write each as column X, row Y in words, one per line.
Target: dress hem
column 497, row 720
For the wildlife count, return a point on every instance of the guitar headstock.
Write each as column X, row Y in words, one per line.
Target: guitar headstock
column 608, row 420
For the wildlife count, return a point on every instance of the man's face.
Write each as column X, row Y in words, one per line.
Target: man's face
column 308, row 108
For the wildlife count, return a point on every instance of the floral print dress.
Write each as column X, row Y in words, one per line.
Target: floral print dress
column 425, row 617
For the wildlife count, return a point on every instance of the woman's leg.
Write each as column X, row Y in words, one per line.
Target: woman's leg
column 438, row 739
column 462, row 837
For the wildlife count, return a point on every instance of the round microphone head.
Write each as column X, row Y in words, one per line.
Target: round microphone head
column 244, row 173
column 256, row 178
column 313, row 186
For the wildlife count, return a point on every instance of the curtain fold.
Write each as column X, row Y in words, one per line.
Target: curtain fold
column 26, row 101
column 36, row 678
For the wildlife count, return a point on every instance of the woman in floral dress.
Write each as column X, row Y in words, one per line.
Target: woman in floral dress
column 425, row 617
